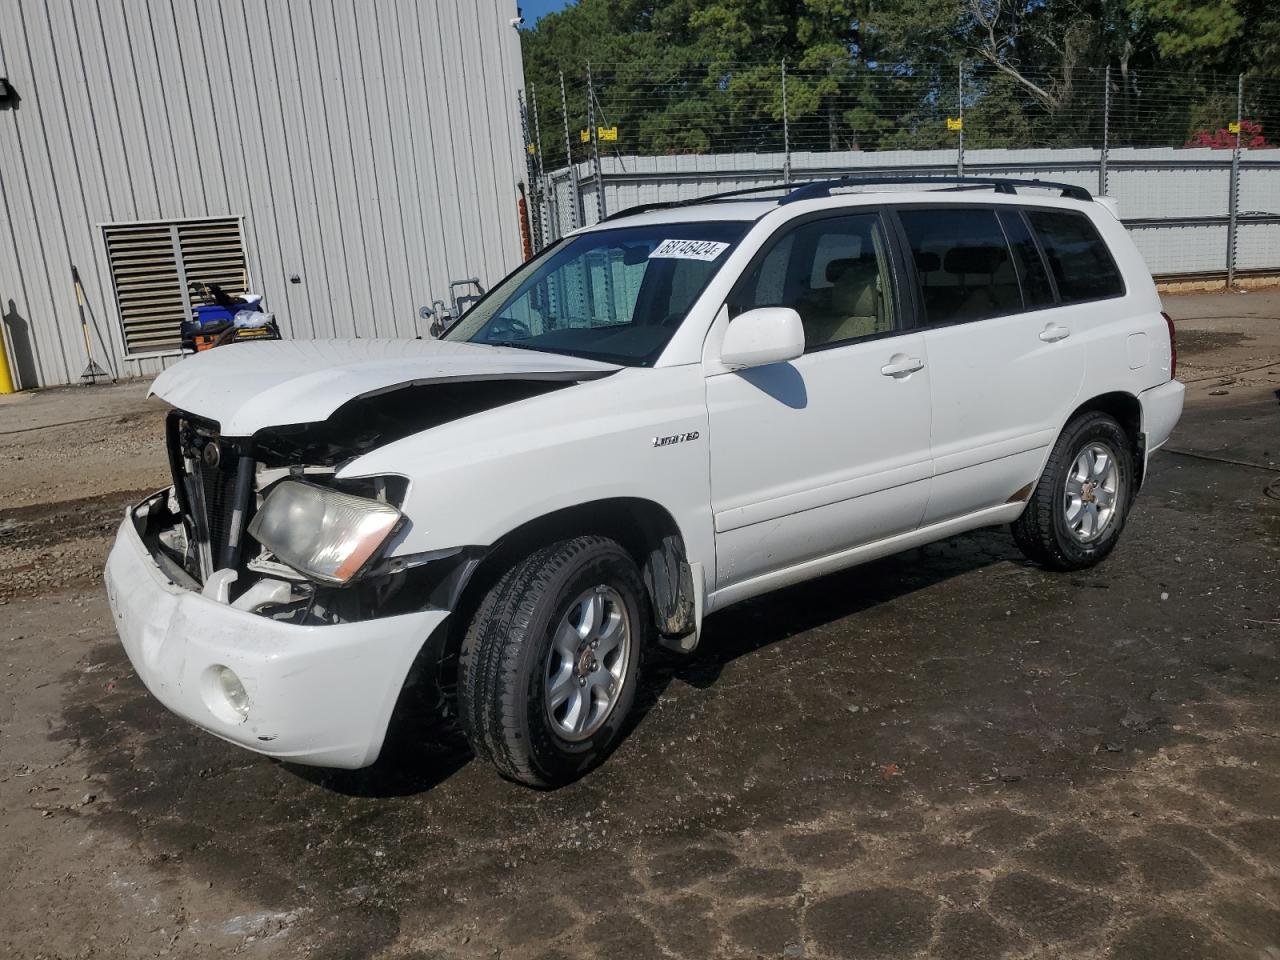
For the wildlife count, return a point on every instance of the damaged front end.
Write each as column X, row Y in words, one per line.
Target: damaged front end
column 201, row 531
column 250, row 417
column 265, row 596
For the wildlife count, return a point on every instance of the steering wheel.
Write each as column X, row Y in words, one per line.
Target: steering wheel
column 507, row 328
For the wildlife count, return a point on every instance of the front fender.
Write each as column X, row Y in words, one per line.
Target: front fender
column 640, row 434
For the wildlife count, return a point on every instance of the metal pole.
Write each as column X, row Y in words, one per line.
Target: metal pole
column 595, row 144
column 537, row 129
column 960, row 144
column 604, row 122
column 544, row 209
column 575, row 209
column 1106, row 132
column 533, row 210
column 1233, row 194
column 786, row 128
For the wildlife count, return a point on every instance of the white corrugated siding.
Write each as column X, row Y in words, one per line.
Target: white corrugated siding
column 372, row 148
column 1187, row 186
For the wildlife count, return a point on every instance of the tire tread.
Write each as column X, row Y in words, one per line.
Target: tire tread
column 1035, row 532
column 491, row 664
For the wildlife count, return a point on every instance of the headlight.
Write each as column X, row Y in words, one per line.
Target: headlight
column 325, row 534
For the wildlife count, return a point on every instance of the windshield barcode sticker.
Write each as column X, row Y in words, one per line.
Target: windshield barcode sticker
column 688, row 250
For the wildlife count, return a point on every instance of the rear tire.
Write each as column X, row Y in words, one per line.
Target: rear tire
column 1079, row 508
column 548, row 669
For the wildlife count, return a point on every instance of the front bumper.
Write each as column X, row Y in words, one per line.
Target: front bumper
column 319, row 695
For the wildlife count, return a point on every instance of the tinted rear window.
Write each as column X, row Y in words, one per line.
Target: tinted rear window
column 1080, row 261
column 963, row 264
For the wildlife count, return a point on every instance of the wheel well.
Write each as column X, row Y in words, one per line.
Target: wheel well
column 639, row 525
column 645, row 529
column 1127, row 411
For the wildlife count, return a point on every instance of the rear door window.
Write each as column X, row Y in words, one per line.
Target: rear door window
column 1081, row 264
column 964, row 267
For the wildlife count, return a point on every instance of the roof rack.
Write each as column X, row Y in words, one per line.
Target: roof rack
column 823, row 188
column 707, row 198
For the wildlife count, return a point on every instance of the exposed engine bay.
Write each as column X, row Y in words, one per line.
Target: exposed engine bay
column 199, row 530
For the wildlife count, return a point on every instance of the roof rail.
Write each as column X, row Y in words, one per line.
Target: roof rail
column 823, row 188
column 706, row 198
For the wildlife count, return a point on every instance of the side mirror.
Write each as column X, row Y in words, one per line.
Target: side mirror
column 762, row 336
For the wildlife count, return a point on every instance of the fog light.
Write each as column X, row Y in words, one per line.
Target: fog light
column 233, row 690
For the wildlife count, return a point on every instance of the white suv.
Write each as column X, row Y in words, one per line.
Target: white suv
column 678, row 408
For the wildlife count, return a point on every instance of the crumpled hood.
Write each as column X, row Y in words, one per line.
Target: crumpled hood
column 247, row 386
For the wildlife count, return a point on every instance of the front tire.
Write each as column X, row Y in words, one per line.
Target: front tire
column 1079, row 508
column 548, row 669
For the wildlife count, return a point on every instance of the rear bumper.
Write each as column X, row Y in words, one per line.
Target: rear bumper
column 1161, row 409
column 319, row 695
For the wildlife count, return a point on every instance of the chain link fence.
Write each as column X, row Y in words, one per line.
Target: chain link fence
column 1189, row 158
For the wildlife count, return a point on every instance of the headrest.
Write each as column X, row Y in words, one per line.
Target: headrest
column 927, row 262
column 860, row 267
column 974, row 259
column 853, row 293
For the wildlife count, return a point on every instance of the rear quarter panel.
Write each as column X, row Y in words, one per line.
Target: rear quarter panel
column 1126, row 339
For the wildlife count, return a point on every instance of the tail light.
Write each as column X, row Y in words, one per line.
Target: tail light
column 1173, row 347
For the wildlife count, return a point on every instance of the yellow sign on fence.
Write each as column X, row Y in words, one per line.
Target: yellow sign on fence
column 530, row 149
column 956, row 124
column 585, row 135
column 1233, row 126
column 607, row 133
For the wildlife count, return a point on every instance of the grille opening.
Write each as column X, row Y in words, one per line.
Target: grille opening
column 205, row 471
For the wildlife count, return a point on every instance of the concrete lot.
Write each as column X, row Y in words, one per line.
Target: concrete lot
column 948, row 753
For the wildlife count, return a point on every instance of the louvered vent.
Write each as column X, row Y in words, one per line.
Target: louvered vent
column 153, row 265
column 212, row 253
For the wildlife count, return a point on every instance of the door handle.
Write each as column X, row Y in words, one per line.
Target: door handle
column 900, row 365
column 1054, row 332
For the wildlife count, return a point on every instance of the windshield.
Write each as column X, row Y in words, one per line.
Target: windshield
column 614, row 295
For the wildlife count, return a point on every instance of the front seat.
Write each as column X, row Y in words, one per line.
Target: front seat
column 855, row 304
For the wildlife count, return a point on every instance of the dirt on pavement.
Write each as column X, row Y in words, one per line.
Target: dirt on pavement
column 948, row 753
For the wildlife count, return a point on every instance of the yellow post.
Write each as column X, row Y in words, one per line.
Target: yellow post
column 6, row 380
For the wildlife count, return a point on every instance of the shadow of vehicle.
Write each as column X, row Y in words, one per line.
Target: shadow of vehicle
column 763, row 621
column 425, row 748
column 418, row 755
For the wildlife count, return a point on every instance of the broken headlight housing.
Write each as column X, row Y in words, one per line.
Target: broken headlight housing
column 324, row 534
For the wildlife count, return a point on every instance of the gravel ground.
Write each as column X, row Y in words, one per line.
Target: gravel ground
column 949, row 753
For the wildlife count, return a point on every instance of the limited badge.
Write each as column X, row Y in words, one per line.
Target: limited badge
column 676, row 438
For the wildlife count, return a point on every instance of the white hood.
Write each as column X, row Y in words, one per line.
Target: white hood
column 247, row 386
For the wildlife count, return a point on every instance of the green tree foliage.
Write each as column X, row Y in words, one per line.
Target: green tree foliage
column 1187, row 30
column 692, row 76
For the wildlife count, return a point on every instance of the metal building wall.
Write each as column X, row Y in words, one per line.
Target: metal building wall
column 372, row 147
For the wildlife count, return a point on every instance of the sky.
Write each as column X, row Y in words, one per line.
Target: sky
column 533, row 9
